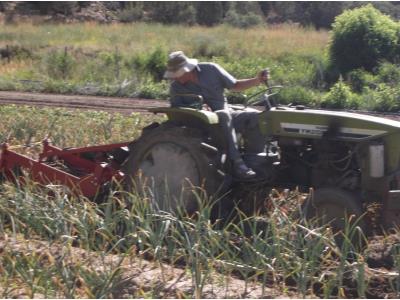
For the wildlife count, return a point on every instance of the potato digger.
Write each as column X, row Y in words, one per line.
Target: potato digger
column 349, row 160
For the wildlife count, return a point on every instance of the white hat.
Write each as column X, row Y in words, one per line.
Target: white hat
column 179, row 64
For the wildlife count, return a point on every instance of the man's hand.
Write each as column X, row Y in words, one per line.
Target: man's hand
column 263, row 76
column 206, row 107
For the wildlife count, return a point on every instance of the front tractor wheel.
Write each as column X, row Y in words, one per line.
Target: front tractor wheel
column 340, row 209
column 168, row 164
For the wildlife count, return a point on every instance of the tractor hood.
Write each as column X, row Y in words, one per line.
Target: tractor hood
column 312, row 123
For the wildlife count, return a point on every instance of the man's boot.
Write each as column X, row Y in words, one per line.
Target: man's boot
column 241, row 171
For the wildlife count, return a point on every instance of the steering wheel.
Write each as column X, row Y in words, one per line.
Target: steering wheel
column 266, row 94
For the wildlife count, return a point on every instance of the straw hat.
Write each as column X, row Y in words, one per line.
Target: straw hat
column 179, row 64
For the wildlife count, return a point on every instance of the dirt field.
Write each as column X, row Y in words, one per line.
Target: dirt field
column 139, row 274
column 110, row 104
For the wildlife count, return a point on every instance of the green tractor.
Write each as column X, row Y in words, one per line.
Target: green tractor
column 348, row 160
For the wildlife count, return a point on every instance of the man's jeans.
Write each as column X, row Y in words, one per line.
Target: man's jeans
column 246, row 123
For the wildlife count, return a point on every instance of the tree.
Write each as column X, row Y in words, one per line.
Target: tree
column 320, row 14
column 171, row 12
column 50, row 7
column 209, row 13
column 244, row 14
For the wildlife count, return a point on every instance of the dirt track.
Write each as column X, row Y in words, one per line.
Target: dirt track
column 111, row 104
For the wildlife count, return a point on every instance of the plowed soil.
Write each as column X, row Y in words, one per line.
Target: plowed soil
column 381, row 270
column 110, row 104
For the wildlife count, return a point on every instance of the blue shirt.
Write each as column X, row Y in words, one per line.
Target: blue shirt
column 212, row 80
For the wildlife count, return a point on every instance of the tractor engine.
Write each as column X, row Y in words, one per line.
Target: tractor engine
column 319, row 163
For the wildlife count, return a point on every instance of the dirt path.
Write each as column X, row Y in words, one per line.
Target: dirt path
column 111, row 104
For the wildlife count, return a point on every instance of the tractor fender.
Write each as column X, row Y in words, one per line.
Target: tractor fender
column 187, row 115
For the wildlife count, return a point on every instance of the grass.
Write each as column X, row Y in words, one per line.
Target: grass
column 114, row 59
column 129, row 60
column 139, row 38
column 276, row 249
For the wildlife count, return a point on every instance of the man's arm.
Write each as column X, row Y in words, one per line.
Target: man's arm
column 244, row 84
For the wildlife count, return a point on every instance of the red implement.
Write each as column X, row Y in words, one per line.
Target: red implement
column 84, row 170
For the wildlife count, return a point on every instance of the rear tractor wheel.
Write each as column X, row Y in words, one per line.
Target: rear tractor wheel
column 167, row 164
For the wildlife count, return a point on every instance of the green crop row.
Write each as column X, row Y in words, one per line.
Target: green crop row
column 274, row 247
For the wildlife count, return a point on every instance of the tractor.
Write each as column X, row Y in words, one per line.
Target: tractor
column 348, row 160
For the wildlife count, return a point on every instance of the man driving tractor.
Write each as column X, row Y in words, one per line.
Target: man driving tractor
column 209, row 81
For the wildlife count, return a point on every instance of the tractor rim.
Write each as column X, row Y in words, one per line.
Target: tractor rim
column 170, row 172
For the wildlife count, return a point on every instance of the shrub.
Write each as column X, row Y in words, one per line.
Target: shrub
column 389, row 73
column 358, row 79
column 154, row 91
column 111, row 63
column 296, row 95
column 153, row 63
column 59, row 64
column 236, row 98
column 209, row 46
column 361, row 38
column 339, row 97
column 242, row 20
column 386, row 99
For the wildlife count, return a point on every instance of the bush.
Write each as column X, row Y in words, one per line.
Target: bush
column 153, row 64
column 59, row 64
column 236, row 98
column 242, row 20
column 362, row 38
column 386, row 99
column 359, row 79
column 153, row 91
column 296, row 95
column 389, row 73
column 209, row 46
column 111, row 64
column 340, row 97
